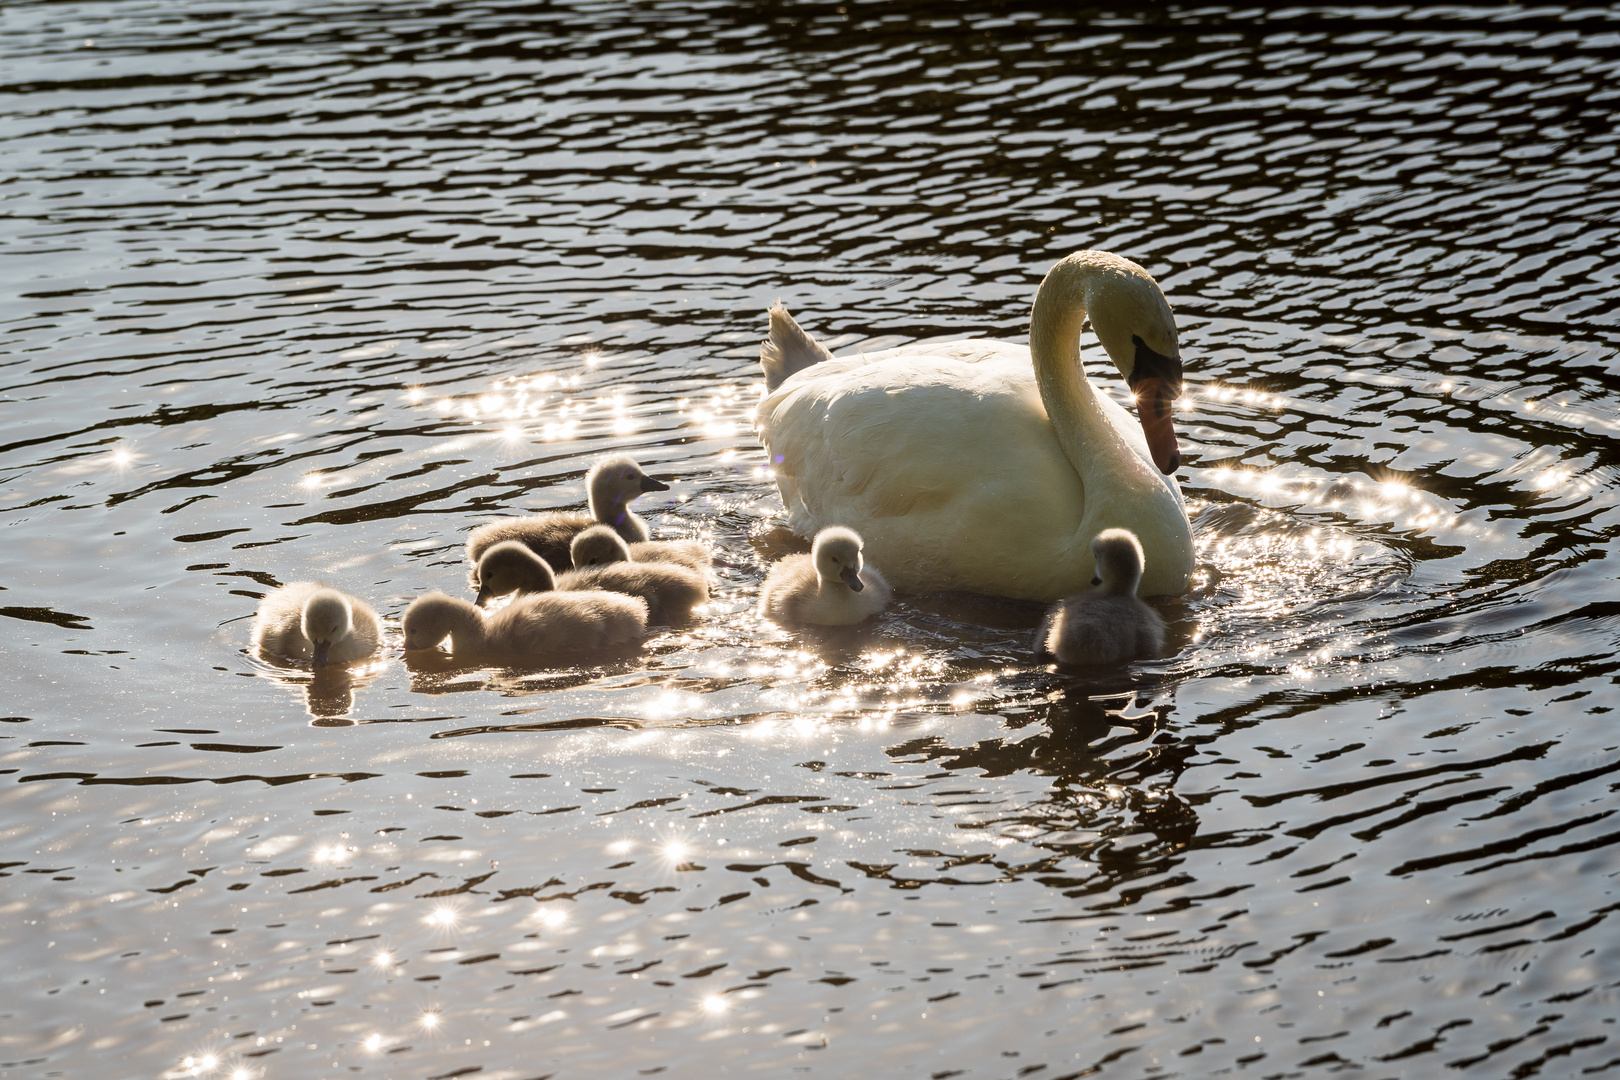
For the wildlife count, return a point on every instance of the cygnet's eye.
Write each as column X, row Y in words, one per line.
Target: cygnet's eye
column 1096, row 581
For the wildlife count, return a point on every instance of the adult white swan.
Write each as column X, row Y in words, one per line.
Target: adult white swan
column 986, row 466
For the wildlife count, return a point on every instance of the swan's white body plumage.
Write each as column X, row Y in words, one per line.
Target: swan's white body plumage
column 947, row 461
column 291, row 621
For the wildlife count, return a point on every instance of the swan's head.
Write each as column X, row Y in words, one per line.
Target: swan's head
column 614, row 481
column 598, row 545
column 837, row 556
column 327, row 619
column 432, row 617
column 1134, row 324
column 511, row 567
column 1118, row 557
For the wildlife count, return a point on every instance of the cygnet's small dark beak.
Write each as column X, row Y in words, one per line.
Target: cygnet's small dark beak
column 322, row 649
column 483, row 598
column 649, row 484
column 852, row 578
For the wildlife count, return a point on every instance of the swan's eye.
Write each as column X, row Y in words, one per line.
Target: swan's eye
column 1096, row 581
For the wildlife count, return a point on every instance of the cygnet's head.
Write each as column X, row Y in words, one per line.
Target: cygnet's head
column 431, row 617
column 327, row 620
column 511, row 567
column 837, row 556
column 1118, row 556
column 598, row 545
column 614, row 481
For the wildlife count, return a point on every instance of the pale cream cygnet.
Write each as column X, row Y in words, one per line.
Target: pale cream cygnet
column 600, row 545
column 611, row 485
column 671, row 591
column 1111, row 624
column 306, row 620
column 543, row 628
column 828, row 587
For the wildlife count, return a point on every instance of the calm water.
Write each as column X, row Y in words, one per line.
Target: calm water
column 299, row 290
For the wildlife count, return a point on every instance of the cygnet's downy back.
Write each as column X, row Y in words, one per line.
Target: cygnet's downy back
column 670, row 591
column 545, row 628
column 600, row 546
column 1111, row 624
column 610, row 486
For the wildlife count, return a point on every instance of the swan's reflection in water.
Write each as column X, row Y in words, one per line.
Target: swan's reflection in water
column 1108, row 818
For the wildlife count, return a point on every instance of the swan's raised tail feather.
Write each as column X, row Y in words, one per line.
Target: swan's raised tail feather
column 788, row 350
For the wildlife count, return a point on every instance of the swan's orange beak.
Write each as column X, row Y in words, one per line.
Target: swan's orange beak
column 1153, row 397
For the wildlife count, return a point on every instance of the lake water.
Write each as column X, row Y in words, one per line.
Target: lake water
column 311, row 290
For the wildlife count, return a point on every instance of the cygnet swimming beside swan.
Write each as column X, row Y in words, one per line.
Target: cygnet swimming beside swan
column 611, row 485
column 305, row 620
column 600, row 545
column 828, row 587
column 1110, row 625
column 544, row 628
column 670, row 591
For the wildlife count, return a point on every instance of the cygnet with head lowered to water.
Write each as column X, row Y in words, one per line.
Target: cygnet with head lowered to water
column 306, row 620
column 1111, row 624
column 549, row 628
column 828, row 587
column 600, row 545
column 611, row 485
column 671, row 591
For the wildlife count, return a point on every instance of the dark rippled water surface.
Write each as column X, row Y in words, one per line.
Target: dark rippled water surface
column 310, row 290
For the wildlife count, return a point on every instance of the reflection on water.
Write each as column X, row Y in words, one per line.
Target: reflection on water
column 311, row 293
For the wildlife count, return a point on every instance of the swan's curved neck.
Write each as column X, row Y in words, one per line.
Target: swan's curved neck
column 1054, row 346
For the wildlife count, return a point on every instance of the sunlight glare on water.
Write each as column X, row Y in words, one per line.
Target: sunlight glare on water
column 308, row 293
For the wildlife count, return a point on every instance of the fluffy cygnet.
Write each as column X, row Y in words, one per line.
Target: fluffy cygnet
column 600, row 545
column 670, row 591
column 547, row 627
column 309, row 621
column 1109, row 625
column 828, row 587
column 611, row 485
